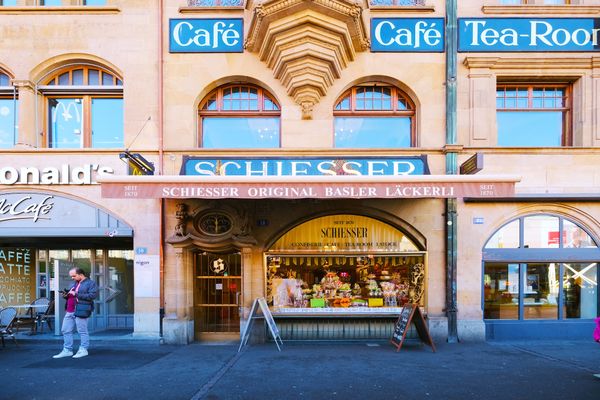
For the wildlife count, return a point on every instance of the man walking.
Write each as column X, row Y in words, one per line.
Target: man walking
column 79, row 307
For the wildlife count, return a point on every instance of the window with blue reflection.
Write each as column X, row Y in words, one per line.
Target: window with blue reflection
column 8, row 123
column 239, row 116
column 51, row 2
column 373, row 115
column 228, row 133
column 372, row 132
column 94, row 2
column 532, row 116
column 107, row 123
column 65, row 124
column 8, row 2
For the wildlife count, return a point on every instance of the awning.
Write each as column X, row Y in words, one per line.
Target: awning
column 307, row 187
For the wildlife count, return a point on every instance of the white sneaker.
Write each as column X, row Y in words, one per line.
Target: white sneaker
column 80, row 353
column 64, row 353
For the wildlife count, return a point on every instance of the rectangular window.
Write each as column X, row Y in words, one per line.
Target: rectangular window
column 372, row 132
column 94, row 2
column 50, row 2
column 8, row 2
column 234, row 132
column 65, row 123
column 540, row 300
column 501, row 291
column 580, row 290
column 8, row 122
column 533, row 116
column 107, row 123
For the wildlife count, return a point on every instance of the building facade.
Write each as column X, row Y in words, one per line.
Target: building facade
column 302, row 152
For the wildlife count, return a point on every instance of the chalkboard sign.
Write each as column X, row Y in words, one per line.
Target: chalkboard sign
column 410, row 313
column 260, row 304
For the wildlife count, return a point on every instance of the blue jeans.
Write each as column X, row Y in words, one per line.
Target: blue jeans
column 70, row 322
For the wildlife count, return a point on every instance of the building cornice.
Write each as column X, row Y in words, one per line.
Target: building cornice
column 548, row 10
column 529, row 63
column 60, row 10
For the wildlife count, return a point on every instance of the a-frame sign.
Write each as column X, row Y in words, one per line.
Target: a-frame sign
column 411, row 313
column 260, row 304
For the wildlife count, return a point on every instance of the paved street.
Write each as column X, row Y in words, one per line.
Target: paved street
column 125, row 370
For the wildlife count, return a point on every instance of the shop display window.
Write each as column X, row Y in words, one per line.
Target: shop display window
column 546, row 288
column 345, row 283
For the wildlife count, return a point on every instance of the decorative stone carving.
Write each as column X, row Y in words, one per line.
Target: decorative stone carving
column 307, row 44
column 182, row 217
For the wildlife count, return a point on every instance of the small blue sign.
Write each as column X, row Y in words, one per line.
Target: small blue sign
column 375, row 166
column 478, row 220
column 407, row 34
column 528, row 34
column 141, row 250
column 224, row 35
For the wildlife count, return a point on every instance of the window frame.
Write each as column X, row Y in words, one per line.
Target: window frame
column 10, row 93
column 524, row 256
column 566, row 111
column 53, row 90
column 217, row 95
column 396, row 94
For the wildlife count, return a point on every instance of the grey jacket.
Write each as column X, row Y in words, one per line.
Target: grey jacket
column 88, row 291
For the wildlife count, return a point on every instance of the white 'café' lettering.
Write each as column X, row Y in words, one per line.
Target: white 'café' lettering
column 386, row 34
column 21, row 210
column 540, row 32
column 184, row 35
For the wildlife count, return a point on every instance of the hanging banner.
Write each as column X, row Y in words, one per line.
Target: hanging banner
column 528, row 34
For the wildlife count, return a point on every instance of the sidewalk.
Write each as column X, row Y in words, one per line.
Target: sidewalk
column 125, row 370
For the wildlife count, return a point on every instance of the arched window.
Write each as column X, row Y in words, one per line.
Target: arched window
column 540, row 267
column 239, row 116
column 8, row 112
column 85, row 108
column 374, row 115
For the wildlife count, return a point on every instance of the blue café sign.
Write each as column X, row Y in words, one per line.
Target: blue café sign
column 223, row 35
column 407, row 34
column 528, row 34
column 305, row 166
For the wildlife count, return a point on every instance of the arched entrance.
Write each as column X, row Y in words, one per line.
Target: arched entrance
column 44, row 234
column 540, row 279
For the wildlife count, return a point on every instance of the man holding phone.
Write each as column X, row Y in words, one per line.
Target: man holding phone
column 80, row 304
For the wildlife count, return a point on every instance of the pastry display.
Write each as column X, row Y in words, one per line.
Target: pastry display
column 345, row 283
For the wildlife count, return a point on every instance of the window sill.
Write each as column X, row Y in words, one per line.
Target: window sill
column 60, row 10
column 541, row 9
column 402, row 9
column 199, row 10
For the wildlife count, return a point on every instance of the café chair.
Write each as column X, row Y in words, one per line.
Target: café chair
column 32, row 315
column 7, row 319
column 47, row 317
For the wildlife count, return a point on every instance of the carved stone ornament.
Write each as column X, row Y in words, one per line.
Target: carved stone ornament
column 182, row 217
column 307, row 44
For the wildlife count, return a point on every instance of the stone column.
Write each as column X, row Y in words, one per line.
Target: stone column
column 178, row 327
column 26, row 122
column 595, row 99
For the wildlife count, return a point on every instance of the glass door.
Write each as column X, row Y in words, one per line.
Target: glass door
column 217, row 293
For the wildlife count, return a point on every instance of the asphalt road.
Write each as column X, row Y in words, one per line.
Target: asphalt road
column 507, row 370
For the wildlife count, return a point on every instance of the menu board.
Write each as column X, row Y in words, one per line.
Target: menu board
column 17, row 276
column 260, row 304
column 410, row 313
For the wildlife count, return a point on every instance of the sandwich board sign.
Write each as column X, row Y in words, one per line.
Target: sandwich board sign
column 410, row 313
column 260, row 304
